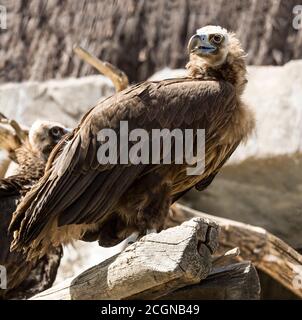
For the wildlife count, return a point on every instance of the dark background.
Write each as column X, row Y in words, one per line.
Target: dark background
column 139, row 36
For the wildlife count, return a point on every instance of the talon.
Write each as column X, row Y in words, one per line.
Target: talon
column 130, row 240
column 151, row 231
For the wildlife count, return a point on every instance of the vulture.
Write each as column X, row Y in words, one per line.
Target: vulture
column 26, row 278
column 81, row 197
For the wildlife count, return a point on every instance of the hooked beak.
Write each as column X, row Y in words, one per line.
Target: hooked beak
column 67, row 130
column 199, row 44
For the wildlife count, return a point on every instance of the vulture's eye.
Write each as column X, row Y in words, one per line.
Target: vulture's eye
column 217, row 38
column 55, row 132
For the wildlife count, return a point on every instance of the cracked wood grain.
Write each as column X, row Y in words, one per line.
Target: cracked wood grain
column 235, row 281
column 267, row 252
column 148, row 269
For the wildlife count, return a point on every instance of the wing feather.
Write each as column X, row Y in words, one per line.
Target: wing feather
column 76, row 189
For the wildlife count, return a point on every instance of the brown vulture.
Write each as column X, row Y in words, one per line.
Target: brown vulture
column 26, row 278
column 79, row 198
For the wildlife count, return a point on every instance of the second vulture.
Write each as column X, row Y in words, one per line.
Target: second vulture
column 26, row 278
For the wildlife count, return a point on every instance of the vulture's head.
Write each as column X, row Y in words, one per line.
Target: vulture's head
column 215, row 52
column 212, row 45
column 44, row 135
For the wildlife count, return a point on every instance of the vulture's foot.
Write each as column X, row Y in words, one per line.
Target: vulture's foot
column 134, row 237
column 130, row 240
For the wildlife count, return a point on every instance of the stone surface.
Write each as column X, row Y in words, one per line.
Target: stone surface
column 261, row 192
column 64, row 101
column 275, row 96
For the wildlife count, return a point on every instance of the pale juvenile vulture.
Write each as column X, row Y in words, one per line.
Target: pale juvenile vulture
column 80, row 198
column 25, row 278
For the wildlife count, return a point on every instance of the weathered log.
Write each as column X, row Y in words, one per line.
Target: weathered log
column 150, row 268
column 237, row 281
column 267, row 252
column 274, row 290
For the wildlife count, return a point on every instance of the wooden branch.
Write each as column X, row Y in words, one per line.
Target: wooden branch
column 237, row 281
column 150, row 268
column 12, row 135
column 269, row 253
column 4, row 164
column 226, row 257
column 9, row 141
column 274, row 290
column 117, row 76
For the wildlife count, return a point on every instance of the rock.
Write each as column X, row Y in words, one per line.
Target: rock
column 261, row 192
column 153, row 266
column 267, row 92
column 64, row 101
column 275, row 96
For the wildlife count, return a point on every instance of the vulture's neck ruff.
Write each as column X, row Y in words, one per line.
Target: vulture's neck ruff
column 216, row 54
column 33, row 154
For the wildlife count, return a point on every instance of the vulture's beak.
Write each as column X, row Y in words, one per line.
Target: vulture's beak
column 67, row 130
column 199, row 44
column 64, row 132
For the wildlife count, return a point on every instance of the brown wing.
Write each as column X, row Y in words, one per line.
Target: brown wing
column 9, row 196
column 24, row 278
column 203, row 184
column 76, row 189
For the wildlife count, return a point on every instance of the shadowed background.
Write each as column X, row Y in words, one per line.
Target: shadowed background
column 139, row 36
